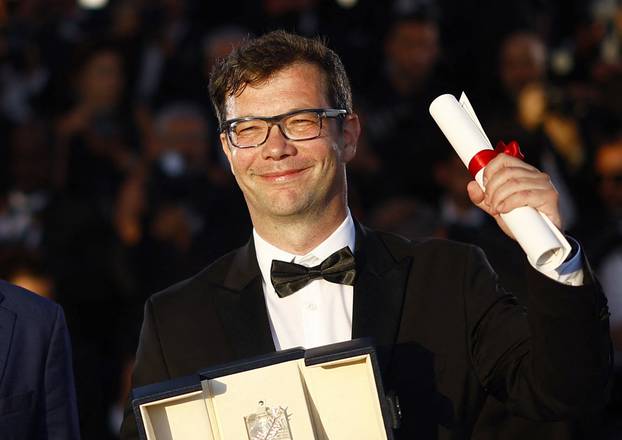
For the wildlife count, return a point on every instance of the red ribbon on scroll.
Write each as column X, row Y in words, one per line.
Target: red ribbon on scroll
column 481, row 159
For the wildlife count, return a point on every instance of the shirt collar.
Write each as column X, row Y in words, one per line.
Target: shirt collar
column 343, row 236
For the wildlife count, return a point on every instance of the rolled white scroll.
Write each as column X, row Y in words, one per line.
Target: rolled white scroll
column 545, row 246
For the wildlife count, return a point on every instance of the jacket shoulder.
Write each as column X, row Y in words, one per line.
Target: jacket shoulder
column 401, row 246
column 25, row 303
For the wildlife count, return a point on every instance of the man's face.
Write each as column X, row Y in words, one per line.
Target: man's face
column 413, row 48
column 101, row 80
column 188, row 137
column 523, row 62
column 284, row 178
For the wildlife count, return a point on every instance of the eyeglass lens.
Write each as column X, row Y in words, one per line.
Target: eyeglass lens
column 298, row 126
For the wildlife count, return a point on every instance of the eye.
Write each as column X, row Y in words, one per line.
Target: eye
column 305, row 118
column 248, row 128
column 302, row 121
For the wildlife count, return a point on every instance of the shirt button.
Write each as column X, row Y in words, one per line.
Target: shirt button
column 312, row 307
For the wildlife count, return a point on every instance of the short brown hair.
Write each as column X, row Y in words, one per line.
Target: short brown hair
column 259, row 59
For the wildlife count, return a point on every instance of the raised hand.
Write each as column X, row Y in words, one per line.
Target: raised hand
column 511, row 183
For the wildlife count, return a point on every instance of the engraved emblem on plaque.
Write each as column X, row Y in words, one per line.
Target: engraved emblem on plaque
column 268, row 423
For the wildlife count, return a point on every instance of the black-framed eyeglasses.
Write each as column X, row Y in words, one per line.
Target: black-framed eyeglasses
column 297, row 125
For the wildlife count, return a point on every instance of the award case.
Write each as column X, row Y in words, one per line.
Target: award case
column 330, row 392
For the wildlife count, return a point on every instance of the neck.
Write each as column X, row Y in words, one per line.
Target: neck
column 297, row 234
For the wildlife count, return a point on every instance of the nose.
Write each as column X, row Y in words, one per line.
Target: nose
column 277, row 147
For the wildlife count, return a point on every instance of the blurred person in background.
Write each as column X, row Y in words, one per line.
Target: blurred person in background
column 605, row 240
column 398, row 105
column 23, row 79
column 24, row 203
column 180, row 210
column 301, row 15
column 524, row 107
column 604, row 244
column 169, row 67
column 590, row 67
column 98, row 139
column 127, row 29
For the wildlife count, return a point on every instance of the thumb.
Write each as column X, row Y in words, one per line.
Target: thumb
column 476, row 194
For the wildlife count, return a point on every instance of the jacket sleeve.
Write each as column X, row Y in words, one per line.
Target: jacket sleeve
column 548, row 361
column 149, row 367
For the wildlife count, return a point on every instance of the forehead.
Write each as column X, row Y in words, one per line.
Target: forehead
column 299, row 86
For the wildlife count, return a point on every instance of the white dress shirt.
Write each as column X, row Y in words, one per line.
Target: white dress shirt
column 321, row 312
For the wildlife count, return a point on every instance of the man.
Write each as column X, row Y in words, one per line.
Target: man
column 606, row 247
column 412, row 75
column 454, row 339
column 37, row 396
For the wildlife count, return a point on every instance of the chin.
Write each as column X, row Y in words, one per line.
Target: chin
column 289, row 206
column 287, row 211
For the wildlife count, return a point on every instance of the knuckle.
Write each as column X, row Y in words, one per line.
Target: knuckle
column 515, row 182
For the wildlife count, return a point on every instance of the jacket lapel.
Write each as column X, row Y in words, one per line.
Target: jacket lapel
column 379, row 289
column 378, row 296
column 7, row 324
column 242, row 306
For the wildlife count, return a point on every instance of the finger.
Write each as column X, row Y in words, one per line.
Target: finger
column 544, row 201
column 507, row 174
column 503, row 161
column 535, row 198
column 517, row 185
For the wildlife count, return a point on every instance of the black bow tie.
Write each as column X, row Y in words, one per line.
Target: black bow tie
column 338, row 268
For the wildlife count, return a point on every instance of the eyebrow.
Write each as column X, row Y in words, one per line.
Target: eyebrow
column 278, row 114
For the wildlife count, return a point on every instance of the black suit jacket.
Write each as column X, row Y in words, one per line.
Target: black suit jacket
column 449, row 337
column 37, row 395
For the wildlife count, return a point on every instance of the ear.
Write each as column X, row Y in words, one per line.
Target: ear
column 224, row 143
column 351, row 133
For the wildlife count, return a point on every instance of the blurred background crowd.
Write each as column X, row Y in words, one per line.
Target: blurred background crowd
column 113, row 184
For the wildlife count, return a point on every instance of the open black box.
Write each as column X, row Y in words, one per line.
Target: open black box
column 332, row 392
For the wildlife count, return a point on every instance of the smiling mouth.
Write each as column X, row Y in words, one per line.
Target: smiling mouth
column 282, row 176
